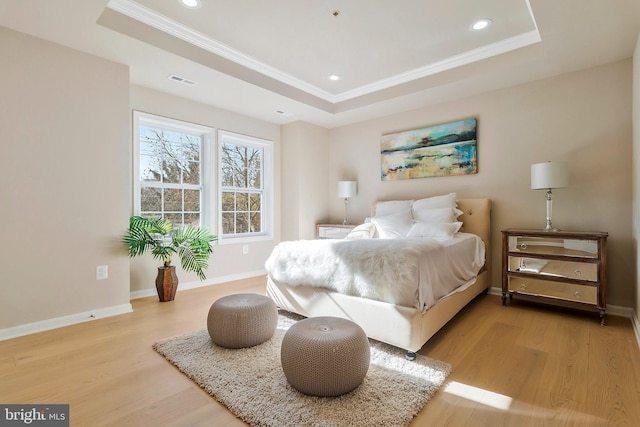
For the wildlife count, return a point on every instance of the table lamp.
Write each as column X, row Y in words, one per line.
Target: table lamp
column 347, row 189
column 546, row 176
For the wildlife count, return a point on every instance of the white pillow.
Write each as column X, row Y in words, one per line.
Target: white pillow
column 438, row 231
column 394, row 226
column 363, row 231
column 437, row 215
column 392, row 207
column 436, row 202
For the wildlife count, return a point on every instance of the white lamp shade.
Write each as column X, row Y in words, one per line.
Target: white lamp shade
column 549, row 175
column 347, row 189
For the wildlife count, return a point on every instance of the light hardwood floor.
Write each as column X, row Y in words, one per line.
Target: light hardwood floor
column 523, row 365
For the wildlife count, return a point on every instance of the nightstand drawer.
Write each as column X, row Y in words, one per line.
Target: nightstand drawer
column 559, row 290
column 554, row 268
column 554, row 246
column 329, row 231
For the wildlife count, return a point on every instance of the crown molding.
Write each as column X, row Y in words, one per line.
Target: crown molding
column 154, row 19
column 163, row 23
column 474, row 55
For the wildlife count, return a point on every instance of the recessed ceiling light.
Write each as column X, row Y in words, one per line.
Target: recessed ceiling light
column 334, row 77
column 481, row 24
column 193, row 4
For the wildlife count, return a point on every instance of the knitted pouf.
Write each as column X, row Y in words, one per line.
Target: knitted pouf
column 325, row 356
column 242, row 320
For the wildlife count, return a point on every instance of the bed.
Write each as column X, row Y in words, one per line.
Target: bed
column 400, row 320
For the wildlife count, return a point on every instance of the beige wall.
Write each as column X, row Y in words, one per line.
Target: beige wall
column 64, row 127
column 582, row 117
column 65, row 122
column 305, row 165
column 228, row 261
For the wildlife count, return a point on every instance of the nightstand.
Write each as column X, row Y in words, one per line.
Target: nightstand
column 333, row 231
column 566, row 266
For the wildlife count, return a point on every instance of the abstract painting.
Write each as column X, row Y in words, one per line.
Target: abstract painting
column 443, row 150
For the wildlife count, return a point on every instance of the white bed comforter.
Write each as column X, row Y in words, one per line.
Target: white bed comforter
column 409, row 272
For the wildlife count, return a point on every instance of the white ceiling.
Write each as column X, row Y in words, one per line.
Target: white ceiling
column 259, row 57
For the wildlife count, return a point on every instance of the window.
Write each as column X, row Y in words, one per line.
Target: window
column 174, row 179
column 170, row 166
column 245, row 165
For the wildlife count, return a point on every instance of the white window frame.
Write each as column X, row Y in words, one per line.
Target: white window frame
column 207, row 215
column 267, row 187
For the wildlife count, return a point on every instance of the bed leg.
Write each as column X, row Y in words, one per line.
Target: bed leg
column 410, row 356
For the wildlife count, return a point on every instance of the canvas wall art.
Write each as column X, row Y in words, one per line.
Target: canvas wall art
column 444, row 150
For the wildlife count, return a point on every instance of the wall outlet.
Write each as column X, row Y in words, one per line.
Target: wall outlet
column 102, row 272
column 245, row 249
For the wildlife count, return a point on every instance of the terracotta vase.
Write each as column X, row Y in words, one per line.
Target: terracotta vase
column 166, row 283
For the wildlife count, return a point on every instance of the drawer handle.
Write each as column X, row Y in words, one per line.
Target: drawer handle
column 523, row 286
column 523, row 246
column 578, row 294
column 577, row 272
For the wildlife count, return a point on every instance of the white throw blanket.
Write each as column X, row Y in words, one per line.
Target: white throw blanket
column 398, row 271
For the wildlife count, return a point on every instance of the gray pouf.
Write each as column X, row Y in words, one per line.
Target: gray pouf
column 242, row 320
column 325, row 356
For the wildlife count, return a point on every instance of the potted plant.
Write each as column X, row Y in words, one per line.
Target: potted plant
column 191, row 244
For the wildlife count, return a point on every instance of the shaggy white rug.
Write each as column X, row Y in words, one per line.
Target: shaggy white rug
column 251, row 383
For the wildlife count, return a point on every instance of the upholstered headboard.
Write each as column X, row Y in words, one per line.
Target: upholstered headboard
column 476, row 219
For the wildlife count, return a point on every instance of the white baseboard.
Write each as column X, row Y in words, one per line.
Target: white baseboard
column 614, row 310
column 495, row 291
column 198, row 284
column 58, row 322
column 636, row 326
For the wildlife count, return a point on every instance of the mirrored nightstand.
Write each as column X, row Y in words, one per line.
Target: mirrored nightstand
column 567, row 266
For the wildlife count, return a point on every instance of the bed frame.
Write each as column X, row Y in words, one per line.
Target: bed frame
column 404, row 327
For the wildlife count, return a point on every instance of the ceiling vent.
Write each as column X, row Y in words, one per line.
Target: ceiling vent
column 284, row 113
column 182, row 80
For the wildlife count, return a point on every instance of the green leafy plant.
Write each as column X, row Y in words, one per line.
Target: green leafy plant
column 192, row 244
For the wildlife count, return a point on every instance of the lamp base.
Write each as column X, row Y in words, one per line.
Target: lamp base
column 345, row 221
column 549, row 227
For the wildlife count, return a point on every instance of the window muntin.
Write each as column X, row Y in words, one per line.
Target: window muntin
column 189, row 183
column 170, row 169
column 244, row 163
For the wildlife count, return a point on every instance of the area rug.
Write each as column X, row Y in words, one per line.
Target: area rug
column 251, row 384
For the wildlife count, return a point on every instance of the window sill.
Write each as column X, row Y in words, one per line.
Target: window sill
column 233, row 240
